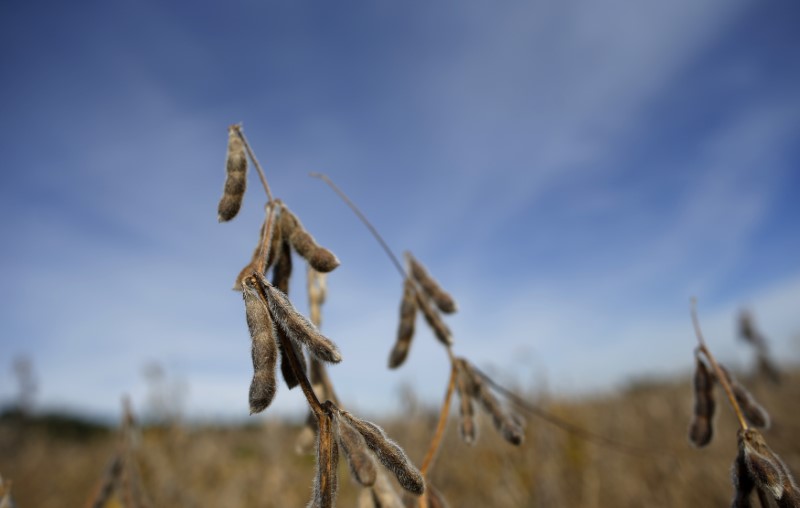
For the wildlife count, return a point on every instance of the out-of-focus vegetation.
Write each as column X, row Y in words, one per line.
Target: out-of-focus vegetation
column 56, row 460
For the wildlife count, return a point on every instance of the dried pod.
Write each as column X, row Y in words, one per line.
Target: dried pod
column 389, row 454
column 467, row 426
column 701, row 429
column 764, row 467
column 281, row 273
column 264, row 348
column 743, row 484
column 316, row 285
column 433, row 498
column 755, row 415
column 355, row 450
column 432, row 288
column 286, row 365
column 326, row 481
column 304, row 444
column 508, row 425
column 383, row 493
column 434, row 320
column 296, row 326
column 236, row 180
column 320, row 258
column 767, row 369
column 405, row 331
column 790, row 498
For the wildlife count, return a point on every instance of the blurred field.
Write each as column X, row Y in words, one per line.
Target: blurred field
column 58, row 464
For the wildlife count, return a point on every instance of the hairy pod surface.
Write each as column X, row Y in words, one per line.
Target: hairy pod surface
column 701, row 429
column 440, row 297
column 354, row 448
column 405, row 330
column 765, row 468
column 320, row 258
column 236, row 177
column 466, row 407
column 388, row 453
column 753, row 412
column 434, row 320
column 264, row 350
column 296, row 326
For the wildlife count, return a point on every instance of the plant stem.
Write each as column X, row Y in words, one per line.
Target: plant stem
column 562, row 424
column 266, row 239
column 366, row 222
column 238, row 128
column 443, row 414
column 721, row 377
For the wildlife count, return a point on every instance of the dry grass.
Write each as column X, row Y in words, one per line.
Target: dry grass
column 252, row 466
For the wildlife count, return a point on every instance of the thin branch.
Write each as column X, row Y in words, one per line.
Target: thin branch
column 721, row 377
column 562, row 424
column 366, row 222
column 443, row 414
column 238, row 129
column 266, row 239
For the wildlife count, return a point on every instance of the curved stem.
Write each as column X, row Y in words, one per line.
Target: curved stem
column 443, row 414
column 364, row 219
column 559, row 423
column 266, row 239
column 238, row 128
column 720, row 375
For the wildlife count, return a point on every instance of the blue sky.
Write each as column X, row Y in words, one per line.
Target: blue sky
column 571, row 171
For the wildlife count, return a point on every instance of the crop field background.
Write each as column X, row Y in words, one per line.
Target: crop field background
column 459, row 253
column 193, row 465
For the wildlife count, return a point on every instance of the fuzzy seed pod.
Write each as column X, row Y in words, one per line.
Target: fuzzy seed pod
column 790, row 498
column 755, row 415
column 434, row 320
column 326, row 481
column 316, row 285
column 388, row 453
column 701, row 429
column 405, row 332
column 320, row 258
column 743, row 484
column 264, row 348
column 432, row 288
column 236, row 180
column 467, row 426
column 433, row 498
column 352, row 444
column 509, row 425
column 383, row 493
column 281, row 273
column 296, row 326
column 286, row 366
column 764, row 467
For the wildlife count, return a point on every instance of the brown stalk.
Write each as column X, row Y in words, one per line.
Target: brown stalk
column 266, row 240
column 720, row 374
column 238, row 129
column 443, row 414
